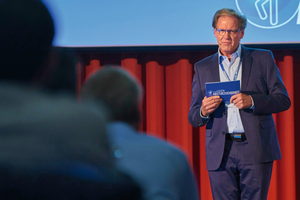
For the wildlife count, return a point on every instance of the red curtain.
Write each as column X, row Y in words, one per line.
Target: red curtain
column 166, row 78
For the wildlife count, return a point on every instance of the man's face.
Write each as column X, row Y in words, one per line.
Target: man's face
column 228, row 43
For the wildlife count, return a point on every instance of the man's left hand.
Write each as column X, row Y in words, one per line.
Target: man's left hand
column 241, row 101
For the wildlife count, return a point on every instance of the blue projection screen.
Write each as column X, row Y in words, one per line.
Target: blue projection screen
column 101, row 23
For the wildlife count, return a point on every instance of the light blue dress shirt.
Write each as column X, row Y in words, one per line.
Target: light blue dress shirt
column 234, row 122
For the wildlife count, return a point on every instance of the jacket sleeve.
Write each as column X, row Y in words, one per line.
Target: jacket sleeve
column 198, row 94
column 276, row 98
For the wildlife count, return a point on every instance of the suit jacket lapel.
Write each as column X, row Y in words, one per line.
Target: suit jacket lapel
column 214, row 69
column 246, row 67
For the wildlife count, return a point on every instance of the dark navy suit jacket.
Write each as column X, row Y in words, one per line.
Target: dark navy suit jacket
column 261, row 79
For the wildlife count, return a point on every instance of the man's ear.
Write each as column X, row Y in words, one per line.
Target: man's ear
column 242, row 32
column 215, row 32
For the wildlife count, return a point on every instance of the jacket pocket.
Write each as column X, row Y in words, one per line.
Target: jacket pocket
column 267, row 123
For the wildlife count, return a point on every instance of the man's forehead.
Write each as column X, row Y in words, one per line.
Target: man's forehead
column 228, row 20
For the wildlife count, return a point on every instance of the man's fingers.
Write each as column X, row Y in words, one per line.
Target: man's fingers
column 241, row 101
column 210, row 104
column 235, row 97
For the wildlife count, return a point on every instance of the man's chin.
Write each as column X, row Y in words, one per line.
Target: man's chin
column 226, row 50
column 226, row 46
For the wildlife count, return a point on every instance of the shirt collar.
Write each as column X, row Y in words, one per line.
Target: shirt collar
column 235, row 54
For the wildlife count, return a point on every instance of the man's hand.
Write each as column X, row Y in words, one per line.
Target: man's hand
column 210, row 104
column 241, row 101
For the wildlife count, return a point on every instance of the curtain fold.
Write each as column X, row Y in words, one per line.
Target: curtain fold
column 155, row 100
column 167, row 94
column 178, row 92
column 286, row 135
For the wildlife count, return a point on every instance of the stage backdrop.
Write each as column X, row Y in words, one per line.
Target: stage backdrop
column 91, row 23
column 166, row 75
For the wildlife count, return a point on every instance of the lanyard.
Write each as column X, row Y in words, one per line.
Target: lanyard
column 236, row 71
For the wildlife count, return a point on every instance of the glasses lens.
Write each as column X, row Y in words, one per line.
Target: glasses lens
column 230, row 32
column 235, row 32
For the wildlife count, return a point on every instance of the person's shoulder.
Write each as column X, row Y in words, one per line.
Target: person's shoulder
column 123, row 134
column 65, row 107
column 121, row 130
column 207, row 60
column 256, row 51
column 35, row 106
column 165, row 148
column 51, row 119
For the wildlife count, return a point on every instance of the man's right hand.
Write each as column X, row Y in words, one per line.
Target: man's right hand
column 210, row 104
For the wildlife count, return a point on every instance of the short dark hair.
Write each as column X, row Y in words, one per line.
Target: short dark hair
column 118, row 90
column 26, row 35
column 227, row 11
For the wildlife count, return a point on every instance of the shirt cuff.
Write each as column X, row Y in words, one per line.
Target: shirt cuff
column 252, row 107
column 203, row 116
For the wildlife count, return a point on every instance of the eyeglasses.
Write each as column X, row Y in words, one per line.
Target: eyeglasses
column 230, row 32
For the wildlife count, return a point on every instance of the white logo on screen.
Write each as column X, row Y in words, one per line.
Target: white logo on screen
column 268, row 14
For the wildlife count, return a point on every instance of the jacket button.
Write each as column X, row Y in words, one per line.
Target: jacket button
column 224, row 113
column 223, row 132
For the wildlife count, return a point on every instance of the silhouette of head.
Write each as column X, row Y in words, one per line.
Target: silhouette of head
column 26, row 35
column 118, row 90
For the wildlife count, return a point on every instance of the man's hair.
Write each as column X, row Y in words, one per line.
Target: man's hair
column 118, row 90
column 229, row 12
column 26, row 35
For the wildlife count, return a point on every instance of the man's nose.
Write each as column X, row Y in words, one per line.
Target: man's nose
column 227, row 34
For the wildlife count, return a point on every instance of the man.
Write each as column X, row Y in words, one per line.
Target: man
column 241, row 139
column 161, row 169
column 50, row 145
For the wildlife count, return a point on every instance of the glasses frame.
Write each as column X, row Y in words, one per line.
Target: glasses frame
column 230, row 32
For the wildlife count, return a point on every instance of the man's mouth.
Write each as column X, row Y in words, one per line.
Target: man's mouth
column 226, row 43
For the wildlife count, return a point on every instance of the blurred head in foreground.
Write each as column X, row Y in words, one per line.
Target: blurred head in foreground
column 26, row 35
column 119, row 91
column 50, row 146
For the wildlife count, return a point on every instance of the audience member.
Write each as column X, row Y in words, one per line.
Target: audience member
column 51, row 147
column 161, row 169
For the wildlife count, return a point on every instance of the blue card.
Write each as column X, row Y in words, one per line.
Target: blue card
column 223, row 89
